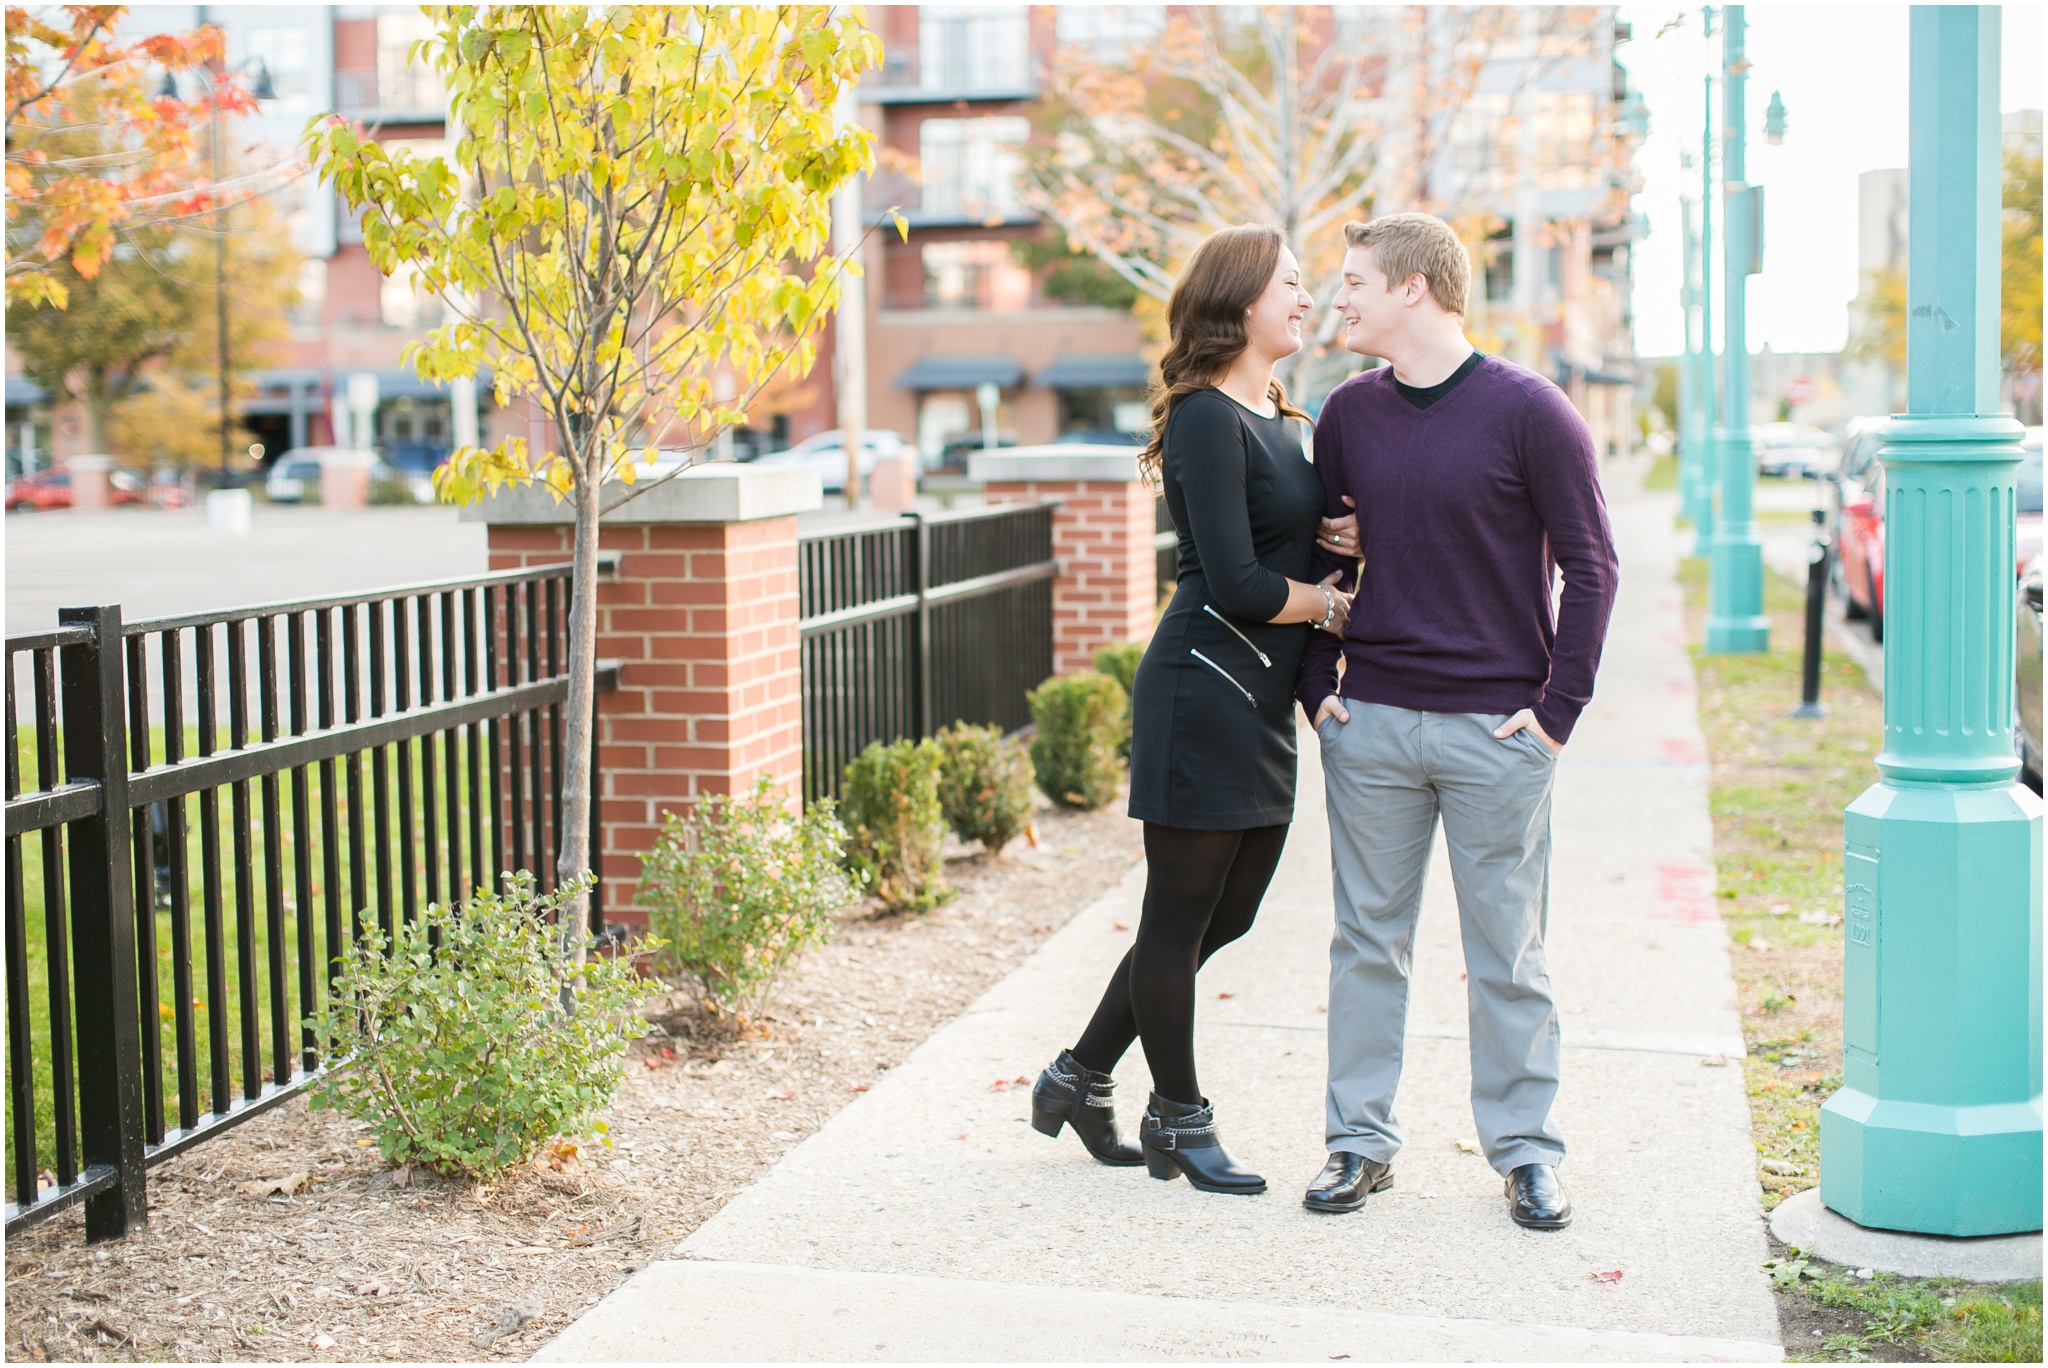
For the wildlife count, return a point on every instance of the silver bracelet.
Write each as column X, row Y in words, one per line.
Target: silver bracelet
column 1330, row 608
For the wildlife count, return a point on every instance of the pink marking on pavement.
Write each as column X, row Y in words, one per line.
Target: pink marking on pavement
column 1685, row 891
column 1688, row 749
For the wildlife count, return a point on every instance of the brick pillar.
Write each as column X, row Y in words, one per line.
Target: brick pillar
column 702, row 620
column 1107, row 589
column 91, row 487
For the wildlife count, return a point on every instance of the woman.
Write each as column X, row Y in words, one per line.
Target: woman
column 1212, row 743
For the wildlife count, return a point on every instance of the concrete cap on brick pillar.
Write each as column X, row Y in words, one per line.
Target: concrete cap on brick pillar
column 1062, row 462
column 716, row 492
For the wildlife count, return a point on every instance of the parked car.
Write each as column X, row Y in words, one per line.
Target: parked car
column 415, row 463
column 2027, row 498
column 825, row 452
column 48, row 489
column 2027, row 671
column 296, row 475
column 1794, row 451
column 1100, row 437
column 1859, row 522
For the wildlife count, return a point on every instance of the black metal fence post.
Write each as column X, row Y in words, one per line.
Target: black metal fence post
column 103, row 927
column 921, row 643
column 1816, row 602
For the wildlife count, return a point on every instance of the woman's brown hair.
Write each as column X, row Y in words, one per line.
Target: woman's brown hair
column 1205, row 323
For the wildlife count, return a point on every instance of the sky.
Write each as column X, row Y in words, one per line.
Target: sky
column 1841, row 70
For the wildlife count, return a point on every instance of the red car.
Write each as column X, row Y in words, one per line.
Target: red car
column 1859, row 523
column 47, row 489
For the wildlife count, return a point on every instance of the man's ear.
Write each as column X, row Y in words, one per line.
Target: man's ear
column 1415, row 289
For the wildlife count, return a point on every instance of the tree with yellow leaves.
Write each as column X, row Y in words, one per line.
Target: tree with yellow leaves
column 640, row 196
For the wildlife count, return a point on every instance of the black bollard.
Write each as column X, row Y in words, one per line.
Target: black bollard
column 1816, row 601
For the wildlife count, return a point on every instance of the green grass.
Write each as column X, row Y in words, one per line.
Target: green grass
column 235, row 1004
column 1663, row 473
column 1778, row 788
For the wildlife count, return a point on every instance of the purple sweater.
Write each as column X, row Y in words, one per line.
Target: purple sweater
column 1466, row 512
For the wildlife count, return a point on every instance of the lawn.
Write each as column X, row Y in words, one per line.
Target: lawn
column 1778, row 789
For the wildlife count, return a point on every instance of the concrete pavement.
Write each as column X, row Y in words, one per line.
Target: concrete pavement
column 928, row 1221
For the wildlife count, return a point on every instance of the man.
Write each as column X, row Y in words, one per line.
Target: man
column 1474, row 482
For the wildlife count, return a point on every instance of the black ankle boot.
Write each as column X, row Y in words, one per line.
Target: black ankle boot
column 1180, row 1137
column 1069, row 1094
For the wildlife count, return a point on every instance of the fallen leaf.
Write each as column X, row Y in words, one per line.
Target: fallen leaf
column 323, row 1340
column 1780, row 909
column 1001, row 1085
column 291, row 1185
column 511, row 1319
column 1021, row 1081
column 1783, row 1168
column 1761, row 945
column 1612, row 1275
column 373, row 1288
column 1121, row 927
column 1321, row 1008
column 962, row 1135
column 786, row 1095
column 1468, row 1146
column 860, row 1087
column 1226, row 995
column 1715, row 1061
column 402, row 1176
column 365, row 1140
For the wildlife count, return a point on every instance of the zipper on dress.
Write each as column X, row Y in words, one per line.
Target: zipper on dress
column 1249, row 697
column 1211, row 611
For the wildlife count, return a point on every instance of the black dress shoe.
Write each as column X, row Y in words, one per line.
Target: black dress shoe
column 1345, row 1182
column 1535, row 1200
column 1070, row 1094
column 1180, row 1137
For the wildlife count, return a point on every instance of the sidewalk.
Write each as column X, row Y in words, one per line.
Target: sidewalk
column 928, row 1221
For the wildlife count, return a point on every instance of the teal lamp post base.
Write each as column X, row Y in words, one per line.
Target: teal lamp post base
column 1736, row 624
column 1932, row 1170
column 1938, row 1127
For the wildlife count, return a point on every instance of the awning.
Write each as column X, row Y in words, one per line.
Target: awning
column 391, row 384
column 1115, row 370
column 961, row 373
column 22, row 392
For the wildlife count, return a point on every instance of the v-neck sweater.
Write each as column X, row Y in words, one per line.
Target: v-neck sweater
column 1468, row 511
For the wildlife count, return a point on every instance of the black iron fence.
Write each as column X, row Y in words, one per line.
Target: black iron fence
column 374, row 753
column 911, row 623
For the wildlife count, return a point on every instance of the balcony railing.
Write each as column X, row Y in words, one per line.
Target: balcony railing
column 413, row 91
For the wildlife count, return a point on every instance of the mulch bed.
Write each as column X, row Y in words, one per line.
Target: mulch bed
column 370, row 1263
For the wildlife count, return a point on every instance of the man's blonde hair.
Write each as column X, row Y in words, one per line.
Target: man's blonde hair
column 1405, row 245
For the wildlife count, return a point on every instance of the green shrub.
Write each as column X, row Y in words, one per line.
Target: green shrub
column 895, row 828
column 1121, row 664
column 984, row 785
column 1080, row 718
column 740, row 887
column 472, row 1037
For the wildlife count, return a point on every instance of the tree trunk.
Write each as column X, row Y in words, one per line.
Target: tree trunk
column 575, row 857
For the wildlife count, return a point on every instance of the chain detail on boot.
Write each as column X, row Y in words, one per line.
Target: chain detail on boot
column 1180, row 1138
column 1069, row 1093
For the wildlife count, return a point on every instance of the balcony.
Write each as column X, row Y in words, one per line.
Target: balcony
column 407, row 95
column 955, row 74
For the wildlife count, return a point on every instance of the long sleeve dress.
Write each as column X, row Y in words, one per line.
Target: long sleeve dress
column 1212, row 739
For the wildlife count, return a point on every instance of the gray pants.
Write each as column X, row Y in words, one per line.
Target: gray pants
column 1389, row 773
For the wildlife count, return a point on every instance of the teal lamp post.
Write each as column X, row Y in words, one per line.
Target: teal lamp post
column 1691, row 432
column 1700, row 504
column 1937, row 1128
column 1735, row 602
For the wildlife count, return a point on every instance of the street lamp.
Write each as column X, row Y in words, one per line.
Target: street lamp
column 1774, row 121
column 1937, row 1127
column 1736, row 623
column 260, row 86
column 1698, row 489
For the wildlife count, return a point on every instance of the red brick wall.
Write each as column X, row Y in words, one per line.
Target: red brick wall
column 1107, row 588
column 703, row 620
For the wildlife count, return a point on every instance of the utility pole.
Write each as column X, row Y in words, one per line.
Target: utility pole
column 1937, row 1128
column 1736, row 623
column 1702, row 504
column 850, row 322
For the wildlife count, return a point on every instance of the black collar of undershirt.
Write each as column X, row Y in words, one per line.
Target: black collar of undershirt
column 1424, row 395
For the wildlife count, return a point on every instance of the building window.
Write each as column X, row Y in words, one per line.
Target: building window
column 402, row 302
column 286, row 52
column 971, row 167
column 1564, row 138
column 975, row 275
column 1109, row 33
column 973, row 47
column 402, row 82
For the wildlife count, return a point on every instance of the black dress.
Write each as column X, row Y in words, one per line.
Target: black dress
column 1212, row 735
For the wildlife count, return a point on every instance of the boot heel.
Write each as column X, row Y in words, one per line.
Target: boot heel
column 1383, row 1184
column 1160, row 1166
column 1047, row 1122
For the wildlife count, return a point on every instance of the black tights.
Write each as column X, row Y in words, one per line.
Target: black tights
column 1202, row 889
